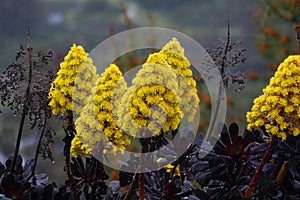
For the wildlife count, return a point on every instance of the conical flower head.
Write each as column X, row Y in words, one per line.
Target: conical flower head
column 110, row 88
column 163, row 91
column 76, row 67
column 96, row 119
column 278, row 108
column 87, row 129
column 173, row 55
column 152, row 101
column 84, row 85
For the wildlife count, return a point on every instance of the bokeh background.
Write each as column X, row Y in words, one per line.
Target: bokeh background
column 265, row 30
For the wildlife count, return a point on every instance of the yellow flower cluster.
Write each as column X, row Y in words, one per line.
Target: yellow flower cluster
column 79, row 148
column 173, row 54
column 85, row 82
column 111, row 87
column 64, row 94
column 170, row 167
column 163, row 91
column 151, row 102
column 96, row 120
column 87, row 129
column 89, row 133
column 278, row 109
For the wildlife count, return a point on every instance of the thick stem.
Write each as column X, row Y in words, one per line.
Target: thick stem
column 141, row 183
column 131, row 188
column 141, row 176
column 142, row 169
column 257, row 174
column 70, row 133
column 25, row 104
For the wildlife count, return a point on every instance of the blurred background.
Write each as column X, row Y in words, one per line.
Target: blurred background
column 265, row 28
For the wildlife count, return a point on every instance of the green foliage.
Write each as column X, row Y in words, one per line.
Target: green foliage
column 276, row 38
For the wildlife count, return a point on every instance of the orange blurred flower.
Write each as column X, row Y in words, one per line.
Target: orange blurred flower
column 284, row 40
column 272, row 32
column 263, row 47
column 114, row 175
column 131, row 148
column 251, row 75
column 229, row 100
column 272, row 66
column 204, row 97
column 294, row 1
column 135, row 61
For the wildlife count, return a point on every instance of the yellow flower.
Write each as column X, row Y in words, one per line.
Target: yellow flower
column 96, row 121
column 109, row 90
column 295, row 131
column 74, row 82
column 79, row 148
column 173, row 54
column 278, row 108
column 163, row 91
column 147, row 105
column 259, row 122
column 170, row 167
